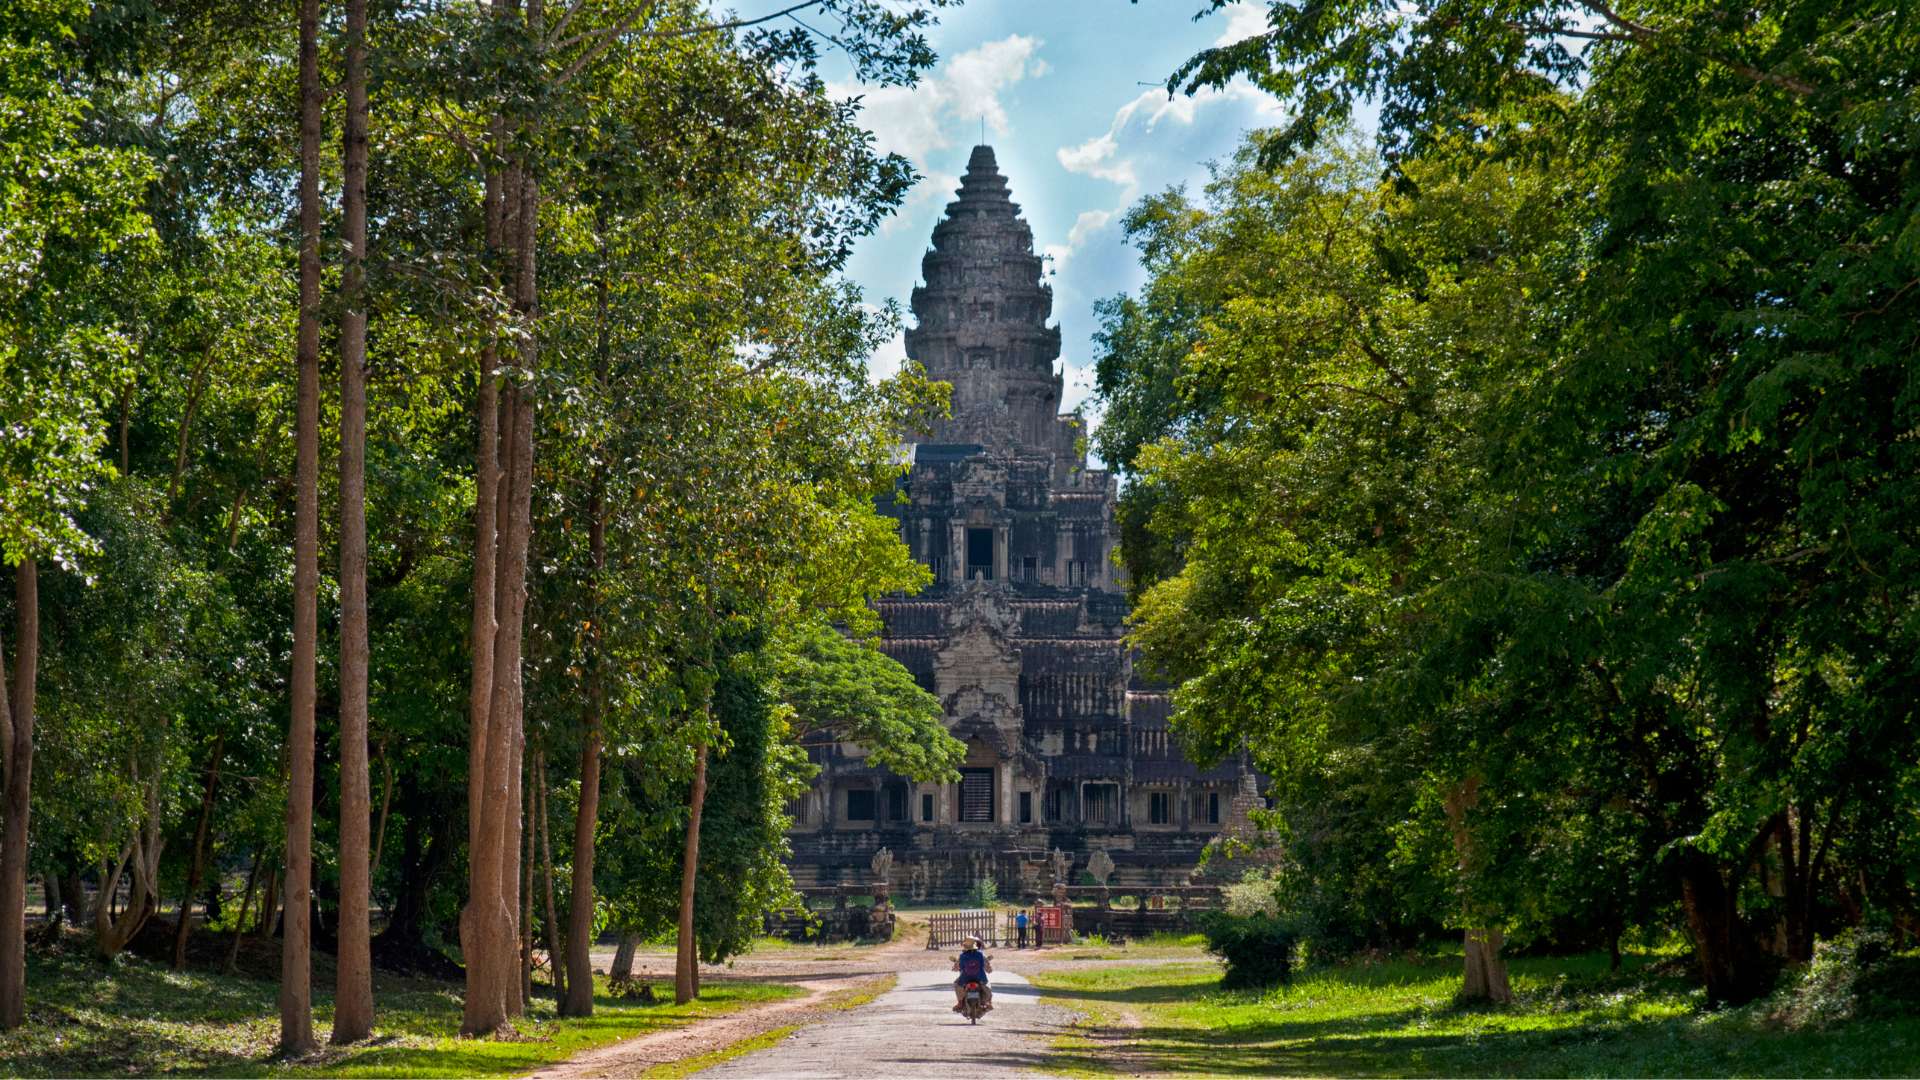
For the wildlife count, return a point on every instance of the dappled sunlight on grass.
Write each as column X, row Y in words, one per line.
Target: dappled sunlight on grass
column 136, row 1017
column 1573, row 1018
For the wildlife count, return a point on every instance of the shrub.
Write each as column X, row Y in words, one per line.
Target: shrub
column 1257, row 949
column 1845, row 974
column 984, row 893
column 1253, row 894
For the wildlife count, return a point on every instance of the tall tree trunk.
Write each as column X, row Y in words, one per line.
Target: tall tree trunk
column 556, row 955
column 266, row 926
column 1484, row 976
column 488, row 929
column 1486, row 969
column 687, row 959
column 480, row 919
column 73, row 894
column 126, row 426
column 56, row 910
column 507, row 665
column 195, row 387
column 240, row 924
column 578, row 998
column 353, row 987
column 197, row 866
column 1730, row 963
column 16, row 773
column 485, row 924
column 296, row 989
column 526, row 907
column 386, row 804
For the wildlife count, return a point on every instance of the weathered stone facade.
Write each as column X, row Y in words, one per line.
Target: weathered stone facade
column 1020, row 635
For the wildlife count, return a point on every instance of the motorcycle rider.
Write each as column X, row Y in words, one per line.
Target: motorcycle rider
column 973, row 966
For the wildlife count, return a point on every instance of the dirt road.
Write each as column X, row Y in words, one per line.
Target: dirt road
column 912, row 1031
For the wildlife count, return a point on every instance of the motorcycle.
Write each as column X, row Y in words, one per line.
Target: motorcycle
column 974, row 1002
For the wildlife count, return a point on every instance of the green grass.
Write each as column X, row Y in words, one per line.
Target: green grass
column 1573, row 1018
column 136, row 1017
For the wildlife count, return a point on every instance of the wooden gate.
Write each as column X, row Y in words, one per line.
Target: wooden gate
column 950, row 931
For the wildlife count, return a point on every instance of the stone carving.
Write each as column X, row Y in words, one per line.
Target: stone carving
column 1100, row 865
column 882, row 866
column 1062, row 866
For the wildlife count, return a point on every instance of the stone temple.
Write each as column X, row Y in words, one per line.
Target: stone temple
column 1020, row 635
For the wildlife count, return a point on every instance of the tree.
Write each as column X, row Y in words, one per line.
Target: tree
column 843, row 689
column 1304, row 303
column 353, row 996
column 1653, row 548
column 296, row 1000
column 67, row 204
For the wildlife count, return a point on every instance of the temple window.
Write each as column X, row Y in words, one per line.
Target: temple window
column 1099, row 804
column 976, row 794
column 980, row 554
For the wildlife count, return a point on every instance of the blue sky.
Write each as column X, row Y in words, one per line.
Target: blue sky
column 1059, row 85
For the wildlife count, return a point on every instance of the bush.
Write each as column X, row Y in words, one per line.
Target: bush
column 1257, row 949
column 1848, row 972
column 1253, row 894
column 984, row 893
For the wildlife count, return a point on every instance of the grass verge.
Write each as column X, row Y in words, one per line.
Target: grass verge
column 699, row 1063
column 1573, row 1018
column 838, row 1001
column 134, row 1017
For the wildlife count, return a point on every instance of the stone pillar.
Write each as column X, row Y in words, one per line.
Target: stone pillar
column 957, row 553
column 1000, row 553
column 1005, row 778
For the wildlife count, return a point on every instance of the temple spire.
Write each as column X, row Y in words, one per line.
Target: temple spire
column 982, row 321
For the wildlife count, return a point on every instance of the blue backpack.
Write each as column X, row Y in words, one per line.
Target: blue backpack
column 973, row 965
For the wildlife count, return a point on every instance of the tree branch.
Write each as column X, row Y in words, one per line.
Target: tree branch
column 603, row 38
column 1649, row 35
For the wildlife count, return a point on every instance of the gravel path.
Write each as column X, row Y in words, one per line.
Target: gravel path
column 912, row 1031
column 635, row 1056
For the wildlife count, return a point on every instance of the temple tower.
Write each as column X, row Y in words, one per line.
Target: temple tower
column 1022, row 633
column 982, row 322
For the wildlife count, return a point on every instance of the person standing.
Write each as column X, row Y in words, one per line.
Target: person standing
column 1020, row 928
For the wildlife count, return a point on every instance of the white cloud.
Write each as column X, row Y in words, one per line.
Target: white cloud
column 948, row 103
column 887, row 360
column 1104, row 157
column 1244, row 20
column 1095, row 158
column 1085, row 226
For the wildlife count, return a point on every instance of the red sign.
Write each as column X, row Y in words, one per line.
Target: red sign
column 1049, row 917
